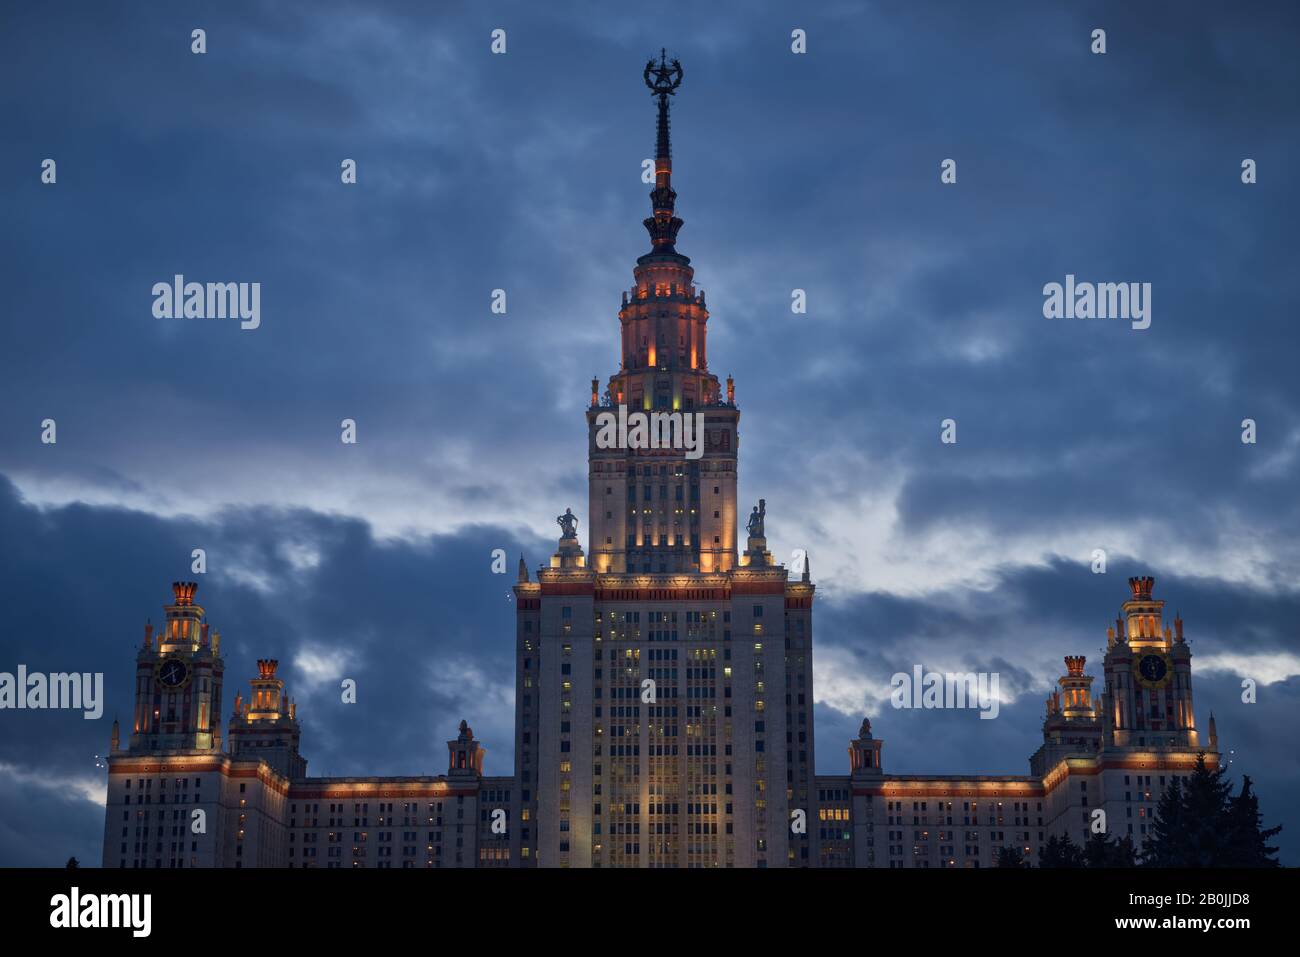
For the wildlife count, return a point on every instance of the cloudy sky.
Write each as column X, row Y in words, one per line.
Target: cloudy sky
column 522, row 172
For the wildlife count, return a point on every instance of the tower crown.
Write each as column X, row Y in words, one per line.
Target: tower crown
column 184, row 592
column 267, row 726
column 1143, row 614
column 183, row 621
column 1142, row 587
column 1072, row 701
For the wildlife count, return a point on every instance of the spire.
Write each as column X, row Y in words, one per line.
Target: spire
column 663, row 79
column 807, row 570
column 523, row 569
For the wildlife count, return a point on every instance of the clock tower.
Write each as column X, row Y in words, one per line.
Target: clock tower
column 178, row 681
column 1148, row 669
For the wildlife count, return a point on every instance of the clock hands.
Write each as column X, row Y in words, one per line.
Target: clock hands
column 172, row 673
column 1152, row 668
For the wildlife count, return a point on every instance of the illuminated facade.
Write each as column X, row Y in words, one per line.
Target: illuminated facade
column 178, row 798
column 664, row 698
column 1113, row 753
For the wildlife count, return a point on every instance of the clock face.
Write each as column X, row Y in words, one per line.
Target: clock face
column 1152, row 669
column 173, row 673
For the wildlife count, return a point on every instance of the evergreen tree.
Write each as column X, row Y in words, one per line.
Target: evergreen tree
column 1103, row 850
column 1010, row 857
column 1248, row 839
column 73, row 864
column 1125, row 853
column 1096, row 849
column 1206, row 795
column 1199, row 823
column 1164, row 847
column 1060, row 852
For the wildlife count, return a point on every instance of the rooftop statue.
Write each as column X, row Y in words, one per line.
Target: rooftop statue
column 568, row 523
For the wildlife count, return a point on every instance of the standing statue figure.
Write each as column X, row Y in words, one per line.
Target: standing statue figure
column 755, row 523
column 568, row 523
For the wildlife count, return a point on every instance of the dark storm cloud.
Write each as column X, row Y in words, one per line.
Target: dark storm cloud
column 522, row 172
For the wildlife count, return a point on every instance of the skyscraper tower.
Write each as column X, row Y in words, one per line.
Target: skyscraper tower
column 656, row 510
column 664, row 710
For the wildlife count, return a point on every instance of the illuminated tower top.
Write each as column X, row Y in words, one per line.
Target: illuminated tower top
column 1148, row 699
column 464, row 754
column 662, row 509
column 1073, row 700
column 184, row 630
column 178, row 680
column 1142, row 620
column 267, row 725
